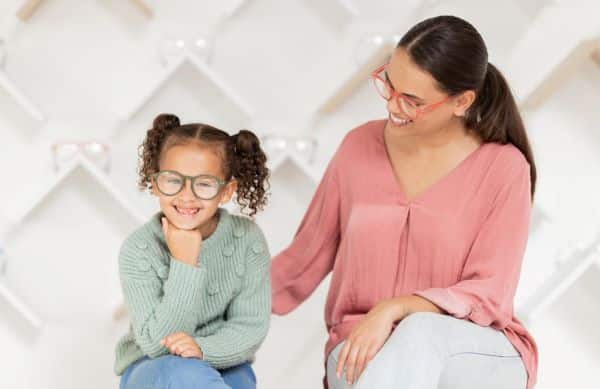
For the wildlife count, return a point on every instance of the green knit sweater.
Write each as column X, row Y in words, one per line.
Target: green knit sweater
column 224, row 302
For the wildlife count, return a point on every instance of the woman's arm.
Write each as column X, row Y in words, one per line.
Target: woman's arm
column 298, row 270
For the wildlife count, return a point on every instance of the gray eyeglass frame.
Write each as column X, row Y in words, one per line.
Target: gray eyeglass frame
column 192, row 179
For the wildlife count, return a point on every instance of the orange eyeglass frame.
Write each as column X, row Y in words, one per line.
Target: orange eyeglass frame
column 395, row 95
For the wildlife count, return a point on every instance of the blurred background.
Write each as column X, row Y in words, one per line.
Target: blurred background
column 81, row 81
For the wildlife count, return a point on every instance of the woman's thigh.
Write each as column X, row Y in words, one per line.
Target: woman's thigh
column 432, row 351
column 171, row 371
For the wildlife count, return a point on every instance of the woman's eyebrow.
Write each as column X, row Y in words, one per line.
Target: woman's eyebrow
column 405, row 94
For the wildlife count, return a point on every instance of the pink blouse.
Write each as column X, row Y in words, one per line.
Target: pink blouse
column 459, row 244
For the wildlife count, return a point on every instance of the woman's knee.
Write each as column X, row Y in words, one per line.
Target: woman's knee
column 419, row 328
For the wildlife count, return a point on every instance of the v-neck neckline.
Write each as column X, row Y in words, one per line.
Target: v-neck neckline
column 430, row 188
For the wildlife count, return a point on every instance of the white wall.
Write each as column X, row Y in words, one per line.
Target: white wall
column 86, row 64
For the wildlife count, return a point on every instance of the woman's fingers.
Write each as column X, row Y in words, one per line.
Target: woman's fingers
column 361, row 362
column 342, row 358
column 351, row 362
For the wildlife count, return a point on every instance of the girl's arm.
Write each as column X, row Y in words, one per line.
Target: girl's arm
column 248, row 314
column 158, row 309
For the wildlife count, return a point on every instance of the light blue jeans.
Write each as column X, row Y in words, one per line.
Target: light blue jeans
column 434, row 351
column 174, row 372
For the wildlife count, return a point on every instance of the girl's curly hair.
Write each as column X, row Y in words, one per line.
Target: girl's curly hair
column 241, row 154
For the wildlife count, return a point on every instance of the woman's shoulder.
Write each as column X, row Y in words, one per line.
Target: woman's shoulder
column 505, row 159
column 367, row 131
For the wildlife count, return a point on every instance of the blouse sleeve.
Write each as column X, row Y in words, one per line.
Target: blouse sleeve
column 491, row 273
column 298, row 270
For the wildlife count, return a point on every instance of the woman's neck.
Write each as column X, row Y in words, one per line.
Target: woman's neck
column 418, row 143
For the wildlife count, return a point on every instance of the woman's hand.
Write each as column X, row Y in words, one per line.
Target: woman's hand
column 183, row 345
column 184, row 245
column 367, row 338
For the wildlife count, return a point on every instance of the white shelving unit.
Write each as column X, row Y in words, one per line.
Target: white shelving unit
column 549, row 66
column 205, row 71
column 277, row 161
column 20, row 98
column 566, row 273
column 29, row 7
column 350, row 81
column 36, row 196
column 21, row 307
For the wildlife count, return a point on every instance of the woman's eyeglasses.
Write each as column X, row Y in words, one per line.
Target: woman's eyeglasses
column 408, row 106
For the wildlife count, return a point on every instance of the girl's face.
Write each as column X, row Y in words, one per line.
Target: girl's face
column 407, row 79
column 184, row 209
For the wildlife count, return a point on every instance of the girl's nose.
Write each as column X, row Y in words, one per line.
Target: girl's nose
column 187, row 193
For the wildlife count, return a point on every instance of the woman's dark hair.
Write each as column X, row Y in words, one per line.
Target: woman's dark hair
column 242, row 157
column 454, row 53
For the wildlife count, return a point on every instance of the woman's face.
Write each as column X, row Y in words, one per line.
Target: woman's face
column 184, row 209
column 407, row 79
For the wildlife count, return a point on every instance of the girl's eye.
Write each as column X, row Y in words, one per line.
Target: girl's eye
column 174, row 181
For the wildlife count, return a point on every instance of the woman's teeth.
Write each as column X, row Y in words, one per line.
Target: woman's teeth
column 187, row 211
column 399, row 121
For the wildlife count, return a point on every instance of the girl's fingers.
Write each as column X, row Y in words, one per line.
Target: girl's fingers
column 168, row 340
column 179, row 345
column 165, row 225
column 351, row 362
column 342, row 359
column 189, row 350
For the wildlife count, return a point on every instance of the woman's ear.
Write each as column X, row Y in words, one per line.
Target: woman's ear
column 463, row 101
column 228, row 191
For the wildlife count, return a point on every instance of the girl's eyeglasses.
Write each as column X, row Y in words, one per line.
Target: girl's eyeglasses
column 205, row 187
column 408, row 106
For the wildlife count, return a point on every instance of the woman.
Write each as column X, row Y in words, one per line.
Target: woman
column 423, row 221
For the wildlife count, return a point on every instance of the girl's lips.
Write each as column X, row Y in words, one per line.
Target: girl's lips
column 186, row 211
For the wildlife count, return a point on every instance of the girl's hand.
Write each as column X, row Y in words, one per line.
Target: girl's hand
column 183, row 345
column 367, row 338
column 184, row 245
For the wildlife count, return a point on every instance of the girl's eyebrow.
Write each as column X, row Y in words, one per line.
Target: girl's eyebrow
column 405, row 94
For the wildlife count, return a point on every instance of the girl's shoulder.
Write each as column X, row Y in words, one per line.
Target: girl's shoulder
column 248, row 234
column 145, row 239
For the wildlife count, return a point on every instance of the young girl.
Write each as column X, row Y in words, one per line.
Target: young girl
column 195, row 278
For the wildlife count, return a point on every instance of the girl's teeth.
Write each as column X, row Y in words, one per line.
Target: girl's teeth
column 187, row 211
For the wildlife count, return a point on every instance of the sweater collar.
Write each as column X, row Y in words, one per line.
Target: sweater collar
column 223, row 226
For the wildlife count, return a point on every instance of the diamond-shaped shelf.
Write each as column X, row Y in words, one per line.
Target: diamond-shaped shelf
column 550, row 65
column 37, row 196
column 565, row 274
column 29, row 7
column 20, row 98
column 350, row 81
column 205, row 71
